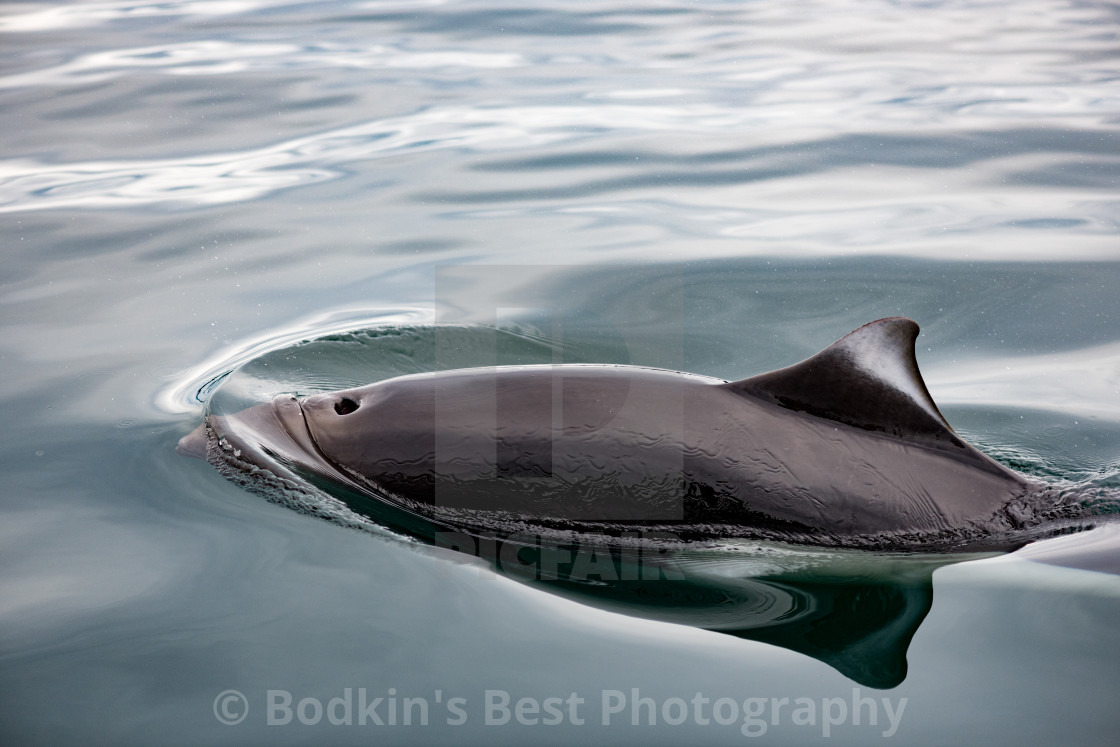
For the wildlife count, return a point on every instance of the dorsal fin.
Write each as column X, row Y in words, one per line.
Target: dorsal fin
column 868, row 379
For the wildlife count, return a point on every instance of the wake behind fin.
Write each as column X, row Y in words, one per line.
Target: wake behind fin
column 868, row 379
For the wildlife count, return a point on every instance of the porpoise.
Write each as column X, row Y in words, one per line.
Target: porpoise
column 845, row 448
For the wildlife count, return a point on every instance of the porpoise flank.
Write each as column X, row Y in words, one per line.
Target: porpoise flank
column 846, row 447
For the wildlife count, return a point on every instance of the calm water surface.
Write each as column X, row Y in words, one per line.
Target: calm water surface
column 719, row 187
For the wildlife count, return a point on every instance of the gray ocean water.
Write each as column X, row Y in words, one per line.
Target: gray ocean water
column 187, row 188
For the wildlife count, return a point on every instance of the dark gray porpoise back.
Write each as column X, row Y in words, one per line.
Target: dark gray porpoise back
column 846, row 442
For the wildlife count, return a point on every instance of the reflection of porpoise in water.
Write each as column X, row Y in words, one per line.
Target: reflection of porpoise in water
column 851, row 609
column 846, row 448
column 570, row 474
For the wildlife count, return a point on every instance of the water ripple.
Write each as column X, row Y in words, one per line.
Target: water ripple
column 222, row 57
column 868, row 127
column 244, row 175
column 89, row 15
column 1020, row 383
column 860, row 161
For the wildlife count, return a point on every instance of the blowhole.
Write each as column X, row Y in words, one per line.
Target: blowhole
column 345, row 406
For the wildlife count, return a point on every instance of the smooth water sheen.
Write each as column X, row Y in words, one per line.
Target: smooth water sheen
column 191, row 190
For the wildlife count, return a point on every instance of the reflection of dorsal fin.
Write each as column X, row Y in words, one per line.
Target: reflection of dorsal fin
column 868, row 379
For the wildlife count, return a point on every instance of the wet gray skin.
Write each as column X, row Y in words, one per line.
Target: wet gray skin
column 846, row 448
